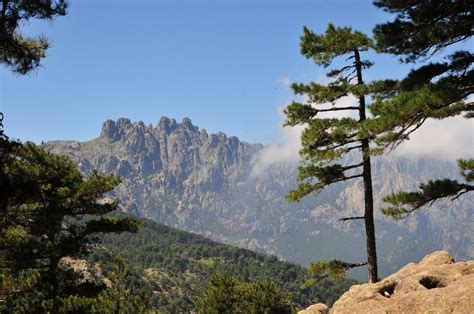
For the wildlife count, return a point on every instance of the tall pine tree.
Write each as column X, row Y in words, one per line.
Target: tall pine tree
column 437, row 90
column 420, row 31
column 21, row 53
column 326, row 140
column 52, row 212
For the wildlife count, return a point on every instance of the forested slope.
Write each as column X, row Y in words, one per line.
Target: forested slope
column 177, row 266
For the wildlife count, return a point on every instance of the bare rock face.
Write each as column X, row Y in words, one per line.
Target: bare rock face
column 319, row 308
column 87, row 275
column 435, row 285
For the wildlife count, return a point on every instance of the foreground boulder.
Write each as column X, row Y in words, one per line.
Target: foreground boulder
column 435, row 285
column 319, row 308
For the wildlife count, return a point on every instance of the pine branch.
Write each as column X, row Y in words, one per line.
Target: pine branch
column 401, row 134
column 350, row 57
column 334, row 269
column 349, row 178
column 337, row 109
column 354, row 265
column 467, row 188
column 341, row 145
column 407, row 202
column 354, row 147
column 351, row 76
column 353, row 166
column 351, row 218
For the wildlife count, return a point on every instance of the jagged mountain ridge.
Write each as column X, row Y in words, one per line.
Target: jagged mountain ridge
column 177, row 174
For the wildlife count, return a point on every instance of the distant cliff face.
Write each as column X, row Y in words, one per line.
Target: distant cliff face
column 177, row 174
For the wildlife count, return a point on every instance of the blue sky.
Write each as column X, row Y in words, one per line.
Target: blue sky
column 221, row 63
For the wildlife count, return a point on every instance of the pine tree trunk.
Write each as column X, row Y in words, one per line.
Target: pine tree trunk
column 3, row 187
column 368, row 191
column 369, row 216
column 53, row 277
column 3, row 205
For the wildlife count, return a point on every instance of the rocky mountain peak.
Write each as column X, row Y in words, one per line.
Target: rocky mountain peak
column 187, row 123
column 166, row 125
column 113, row 131
column 110, row 131
column 177, row 152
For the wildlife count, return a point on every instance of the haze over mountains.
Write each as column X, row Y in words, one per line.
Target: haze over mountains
column 179, row 175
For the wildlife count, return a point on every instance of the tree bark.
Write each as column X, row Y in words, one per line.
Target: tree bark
column 368, row 191
column 53, row 273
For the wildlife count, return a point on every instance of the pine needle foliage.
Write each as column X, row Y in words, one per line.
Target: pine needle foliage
column 19, row 52
column 423, row 28
column 332, row 269
column 326, row 140
column 404, row 203
column 437, row 90
column 230, row 294
column 52, row 212
column 420, row 31
column 121, row 296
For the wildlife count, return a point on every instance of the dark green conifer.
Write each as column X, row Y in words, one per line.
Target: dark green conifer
column 121, row 296
column 420, row 31
column 52, row 212
column 423, row 28
column 229, row 294
column 326, row 140
column 438, row 90
column 405, row 203
column 21, row 53
column 17, row 51
column 333, row 269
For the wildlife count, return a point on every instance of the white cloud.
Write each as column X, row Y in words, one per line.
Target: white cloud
column 285, row 149
column 450, row 138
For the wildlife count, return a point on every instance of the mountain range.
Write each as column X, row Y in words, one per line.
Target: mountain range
column 179, row 175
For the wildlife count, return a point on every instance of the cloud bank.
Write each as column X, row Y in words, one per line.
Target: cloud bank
column 450, row 139
column 284, row 149
column 447, row 139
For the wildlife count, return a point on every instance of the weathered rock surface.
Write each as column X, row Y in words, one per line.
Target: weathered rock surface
column 435, row 285
column 87, row 275
column 319, row 308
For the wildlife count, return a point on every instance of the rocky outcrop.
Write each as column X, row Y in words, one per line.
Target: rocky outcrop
column 435, row 285
column 87, row 275
column 319, row 308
